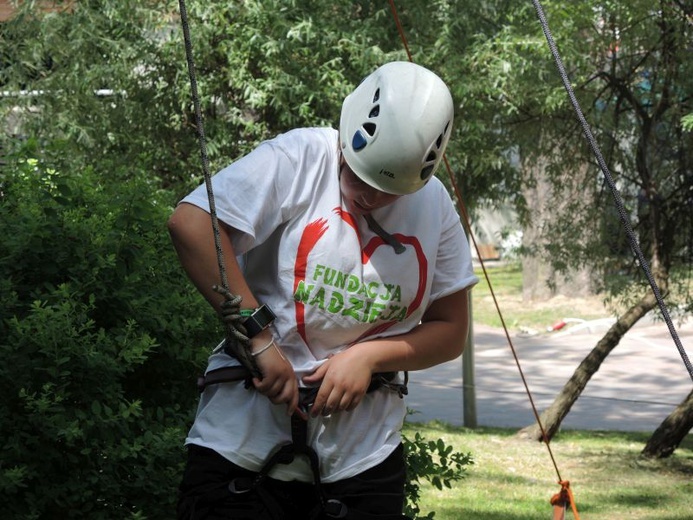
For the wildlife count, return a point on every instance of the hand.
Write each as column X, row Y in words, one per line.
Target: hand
column 344, row 380
column 279, row 382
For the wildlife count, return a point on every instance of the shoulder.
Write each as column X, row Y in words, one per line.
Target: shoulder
column 434, row 192
column 434, row 205
column 315, row 140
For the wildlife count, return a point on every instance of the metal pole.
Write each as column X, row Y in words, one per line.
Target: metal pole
column 468, row 385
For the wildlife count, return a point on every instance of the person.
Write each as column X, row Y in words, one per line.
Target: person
column 351, row 266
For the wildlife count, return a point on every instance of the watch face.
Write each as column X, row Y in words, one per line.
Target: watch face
column 263, row 315
column 259, row 321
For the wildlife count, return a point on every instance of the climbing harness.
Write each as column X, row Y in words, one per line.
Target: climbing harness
column 239, row 373
column 286, row 453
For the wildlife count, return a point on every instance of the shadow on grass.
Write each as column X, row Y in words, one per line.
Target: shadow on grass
column 640, row 498
column 438, row 426
column 476, row 514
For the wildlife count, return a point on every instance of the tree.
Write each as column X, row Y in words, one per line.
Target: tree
column 667, row 437
column 629, row 65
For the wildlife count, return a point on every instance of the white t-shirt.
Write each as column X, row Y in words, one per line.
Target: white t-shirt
column 331, row 282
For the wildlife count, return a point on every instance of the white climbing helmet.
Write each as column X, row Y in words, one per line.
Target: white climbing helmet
column 395, row 126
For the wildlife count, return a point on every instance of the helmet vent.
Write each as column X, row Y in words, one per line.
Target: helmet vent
column 358, row 141
column 376, row 96
column 441, row 136
column 426, row 172
column 375, row 111
column 369, row 128
column 431, row 156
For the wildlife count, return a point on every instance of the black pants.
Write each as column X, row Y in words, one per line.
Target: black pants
column 375, row 494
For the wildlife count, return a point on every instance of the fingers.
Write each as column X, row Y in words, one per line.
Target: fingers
column 318, row 375
column 279, row 391
column 332, row 400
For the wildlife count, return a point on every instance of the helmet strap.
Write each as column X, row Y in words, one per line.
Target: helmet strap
column 387, row 237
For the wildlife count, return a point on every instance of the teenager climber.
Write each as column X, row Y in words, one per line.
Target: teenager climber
column 350, row 267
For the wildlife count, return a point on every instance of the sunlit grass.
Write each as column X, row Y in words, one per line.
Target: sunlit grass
column 506, row 282
column 515, row 479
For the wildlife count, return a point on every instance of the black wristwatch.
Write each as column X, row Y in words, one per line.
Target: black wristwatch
column 258, row 320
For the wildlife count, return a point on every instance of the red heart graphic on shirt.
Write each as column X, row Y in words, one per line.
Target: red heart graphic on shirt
column 315, row 230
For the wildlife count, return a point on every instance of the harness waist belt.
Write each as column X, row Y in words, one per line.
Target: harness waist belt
column 240, row 373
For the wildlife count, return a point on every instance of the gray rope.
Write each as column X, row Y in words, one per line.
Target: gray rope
column 203, row 144
column 236, row 343
column 612, row 185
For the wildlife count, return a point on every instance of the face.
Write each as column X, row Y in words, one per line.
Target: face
column 359, row 196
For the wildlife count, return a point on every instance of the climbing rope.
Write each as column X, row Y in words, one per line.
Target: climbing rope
column 237, row 342
column 623, row 215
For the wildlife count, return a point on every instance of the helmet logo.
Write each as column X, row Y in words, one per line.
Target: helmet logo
column 387, row 173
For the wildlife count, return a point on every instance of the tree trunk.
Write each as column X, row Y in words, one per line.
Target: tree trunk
column 541, row 280
column 553, row 416
column 667, row 437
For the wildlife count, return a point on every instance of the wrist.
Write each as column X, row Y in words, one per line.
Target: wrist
column 264, row 348
column 367, row 354
column 259, row 341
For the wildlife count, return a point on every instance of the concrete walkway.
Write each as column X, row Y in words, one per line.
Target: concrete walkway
column 636, row 388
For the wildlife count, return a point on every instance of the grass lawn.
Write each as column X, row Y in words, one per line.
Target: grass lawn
column 514, row 479
column 506, row 281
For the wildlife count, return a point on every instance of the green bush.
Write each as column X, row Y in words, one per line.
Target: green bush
column 433, row 461
column 100, row 341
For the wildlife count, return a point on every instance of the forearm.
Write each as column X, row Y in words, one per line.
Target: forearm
column 192, row 234
column 439, row 338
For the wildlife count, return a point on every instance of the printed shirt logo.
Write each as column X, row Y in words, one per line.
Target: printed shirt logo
column 345, row 294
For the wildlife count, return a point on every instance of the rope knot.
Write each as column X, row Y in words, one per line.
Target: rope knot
column 561, row 500
column 236, row 343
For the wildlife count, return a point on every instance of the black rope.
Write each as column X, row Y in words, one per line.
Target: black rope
column 614, row 190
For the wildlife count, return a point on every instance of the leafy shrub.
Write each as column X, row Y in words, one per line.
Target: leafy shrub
column 99, row 362
column 432, row 461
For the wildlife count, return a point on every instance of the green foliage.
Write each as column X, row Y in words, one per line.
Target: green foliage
column 99, row 361
column 262, row 68
column 629, row 66
column 687, row 122
column 433, row 461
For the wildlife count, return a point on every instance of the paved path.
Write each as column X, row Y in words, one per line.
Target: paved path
column 637, row 386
